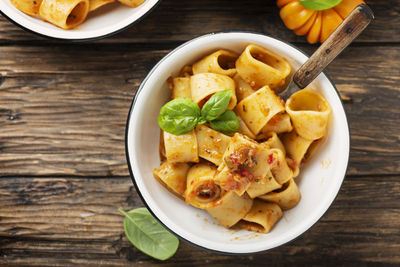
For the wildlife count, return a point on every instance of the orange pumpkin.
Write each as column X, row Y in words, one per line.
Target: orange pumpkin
column 316, row 24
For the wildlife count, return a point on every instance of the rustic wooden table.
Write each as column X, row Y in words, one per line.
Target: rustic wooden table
column 63, row 108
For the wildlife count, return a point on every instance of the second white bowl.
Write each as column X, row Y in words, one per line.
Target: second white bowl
column 104, row 22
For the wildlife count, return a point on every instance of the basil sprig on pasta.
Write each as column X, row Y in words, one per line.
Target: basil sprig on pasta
column 216, row 105
column 227, row 123
column 181, row 115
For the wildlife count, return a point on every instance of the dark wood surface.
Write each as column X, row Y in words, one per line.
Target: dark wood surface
column 63, row 172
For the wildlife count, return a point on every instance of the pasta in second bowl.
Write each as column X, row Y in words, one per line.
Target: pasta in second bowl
column 318, row 181
column 102, row 22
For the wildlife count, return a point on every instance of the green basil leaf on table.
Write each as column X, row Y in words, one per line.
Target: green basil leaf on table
column 227, row 123
column 179, row 116
column 216, row 105
column 147, row 235
column 319, row 4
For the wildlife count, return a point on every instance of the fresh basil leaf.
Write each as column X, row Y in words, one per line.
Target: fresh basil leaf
column 179, row 116
column 201, row 120
column 319, row 4
column 227, row 123
column 147, row 235
column 216, row 105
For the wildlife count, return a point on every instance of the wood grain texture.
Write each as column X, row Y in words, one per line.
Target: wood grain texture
column 62, row 118
column 59, row 221
column 176, row 20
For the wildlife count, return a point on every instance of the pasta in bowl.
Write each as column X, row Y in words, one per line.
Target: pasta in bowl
column 312, row 187
column 76, row 20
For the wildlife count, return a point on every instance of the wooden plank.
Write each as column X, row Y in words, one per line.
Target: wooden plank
column 58, row 117
column 66, row 118
column 176, row 20
column 58, row 221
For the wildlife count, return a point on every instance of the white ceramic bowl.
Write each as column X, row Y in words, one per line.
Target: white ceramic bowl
column 319, row 180
column 101, row 23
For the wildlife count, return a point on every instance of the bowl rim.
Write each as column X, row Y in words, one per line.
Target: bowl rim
column 94, row 38
column 128, row 120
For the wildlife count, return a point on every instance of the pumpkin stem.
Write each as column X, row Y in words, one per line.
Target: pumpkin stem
column 319, row 4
